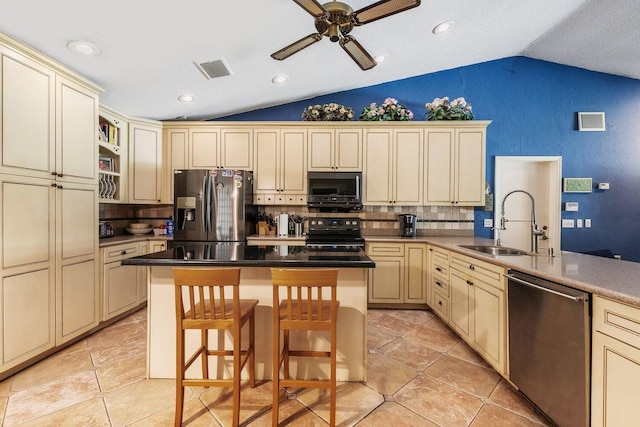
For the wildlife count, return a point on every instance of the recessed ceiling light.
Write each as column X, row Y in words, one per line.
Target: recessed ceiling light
column 381, row 58
column 83, row 48
column 186, row 98
column 280, row 79
column 443, row 26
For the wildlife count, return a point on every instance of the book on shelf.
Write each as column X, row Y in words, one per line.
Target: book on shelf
column 110, row 133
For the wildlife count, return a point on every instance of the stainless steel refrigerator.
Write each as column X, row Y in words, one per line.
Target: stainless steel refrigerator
column 213, row 205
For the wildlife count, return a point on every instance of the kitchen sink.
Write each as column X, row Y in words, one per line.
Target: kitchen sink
column 495, row 250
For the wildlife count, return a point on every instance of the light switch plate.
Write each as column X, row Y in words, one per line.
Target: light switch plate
column 488, row 222
column 568, row 223
column 571, row 206
column 587, row 223
column 578, row 223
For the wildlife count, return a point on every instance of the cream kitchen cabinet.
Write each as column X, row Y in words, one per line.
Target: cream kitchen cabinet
column 49, row 272
column 438, row 281
column 338, row 150
column 393, row 166
column 198, row 146
column 454, row 165
column 400, row 276
column 112, row 147
column 145, row 161
column 477, row 307
column 49, row 121
column 280, row 175
column 615, row 363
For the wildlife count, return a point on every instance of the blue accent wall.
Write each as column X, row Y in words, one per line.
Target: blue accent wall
column 533, row 105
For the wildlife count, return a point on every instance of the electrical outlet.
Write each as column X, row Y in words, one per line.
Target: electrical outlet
column 488, row 222
column 587, row 223
column 578, row 223
column 568, row 223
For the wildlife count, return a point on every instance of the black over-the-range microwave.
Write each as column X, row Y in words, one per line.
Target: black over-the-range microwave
column 334, row 191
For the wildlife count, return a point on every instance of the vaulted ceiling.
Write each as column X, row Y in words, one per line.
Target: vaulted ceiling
column 149, row 48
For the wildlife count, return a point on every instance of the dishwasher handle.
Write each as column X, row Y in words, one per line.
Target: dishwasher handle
column 542, row 288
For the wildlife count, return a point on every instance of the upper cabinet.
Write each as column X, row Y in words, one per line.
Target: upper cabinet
column 49, row 121
column 338, row 150
column 280, row 172
column 199, row 145
column 454, row 164
column 393, row 166
column 145, row 161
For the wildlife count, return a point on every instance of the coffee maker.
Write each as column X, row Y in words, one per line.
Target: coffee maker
column 408, row 224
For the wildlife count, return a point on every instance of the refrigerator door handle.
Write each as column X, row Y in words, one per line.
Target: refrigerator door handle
column 213, row 206
column 203, row 214
column 209, row 202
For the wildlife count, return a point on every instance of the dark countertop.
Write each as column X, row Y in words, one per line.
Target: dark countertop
column 202, row 254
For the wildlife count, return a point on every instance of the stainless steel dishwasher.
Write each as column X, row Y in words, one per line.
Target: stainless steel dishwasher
column 550, row 346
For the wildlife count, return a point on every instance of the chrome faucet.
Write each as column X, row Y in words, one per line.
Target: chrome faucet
column 536, row 232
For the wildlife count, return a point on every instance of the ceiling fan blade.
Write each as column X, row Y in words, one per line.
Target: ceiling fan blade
column 382, row 9
column 312, row 7
column 357, row 53
column 297, row 46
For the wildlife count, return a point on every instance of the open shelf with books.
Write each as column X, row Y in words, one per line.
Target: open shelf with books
column 112, row 139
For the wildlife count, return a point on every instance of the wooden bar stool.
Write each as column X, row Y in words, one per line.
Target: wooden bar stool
column 202, row 304
column 304, row 308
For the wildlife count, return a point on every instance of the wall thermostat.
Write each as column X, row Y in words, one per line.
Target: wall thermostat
column 571, row 206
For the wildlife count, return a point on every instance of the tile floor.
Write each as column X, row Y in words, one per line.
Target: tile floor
column 419, row 374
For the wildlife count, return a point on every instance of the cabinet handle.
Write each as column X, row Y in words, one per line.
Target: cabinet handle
column 438, row 283
column 60, row 187
column 123, row 252
column 440, row 303
column 54, row 173
column 54, row 185
column 60, row 175
column 469, row 282
column 439, row 269
column 472, row 267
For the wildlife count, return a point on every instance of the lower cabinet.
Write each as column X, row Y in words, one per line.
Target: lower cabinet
column 124, row 287
column 615, row 364
column 472, row 302
column 400, row 276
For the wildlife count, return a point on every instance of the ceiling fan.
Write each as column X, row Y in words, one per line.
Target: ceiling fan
column 336, row 19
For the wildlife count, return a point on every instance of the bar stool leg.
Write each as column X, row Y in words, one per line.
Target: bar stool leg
column 252, row 354
column 237, row 340
column 179, row 377
column 204, row 339
column 276, row 367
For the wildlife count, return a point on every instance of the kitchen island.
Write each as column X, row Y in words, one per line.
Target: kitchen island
column 255, row 282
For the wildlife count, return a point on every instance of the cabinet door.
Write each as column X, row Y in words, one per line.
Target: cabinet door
column 348, row 150
column 204, row 148
column 377, row 175
column 27, row 112
column 236, row 149
column 145, row 163
column 77, row 281
column 266, row 174
column 321, row 150
column 470, row 167
column 407, row 170
column 615, row 382
column 177, row 157
column 489, row 324
column 415, row 290
column 461, row 304
column 438, row 167
column 120, row 289
column 77, row 134
column 293, row 150
column 386, row 281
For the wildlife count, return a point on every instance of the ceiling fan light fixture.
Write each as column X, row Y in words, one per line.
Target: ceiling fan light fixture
column 381, row 58
column 443, row 27
column 279, row 79
column 185, row 97
column 85, row 48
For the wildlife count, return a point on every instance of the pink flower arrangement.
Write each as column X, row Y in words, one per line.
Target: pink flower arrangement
column 390, row 110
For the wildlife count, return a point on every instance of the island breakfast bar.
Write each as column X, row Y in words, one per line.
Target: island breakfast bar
column 255, row 282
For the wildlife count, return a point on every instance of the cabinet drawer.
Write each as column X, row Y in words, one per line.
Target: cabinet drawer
column 440, row 256
column 441, row 305
column 120, row 252
column 385, row 249
column 440, row 270
column 440, row 285
column 618, row 320
column 488, row 273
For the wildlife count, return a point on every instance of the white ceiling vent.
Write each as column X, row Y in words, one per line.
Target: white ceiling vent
column 213, row 69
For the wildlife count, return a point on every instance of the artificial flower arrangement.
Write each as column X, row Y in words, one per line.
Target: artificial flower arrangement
column 328, row 113
column 390, row 110
column 442, row 109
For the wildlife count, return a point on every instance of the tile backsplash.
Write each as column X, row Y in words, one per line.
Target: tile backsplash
column 120, row 215
column 383, row 220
